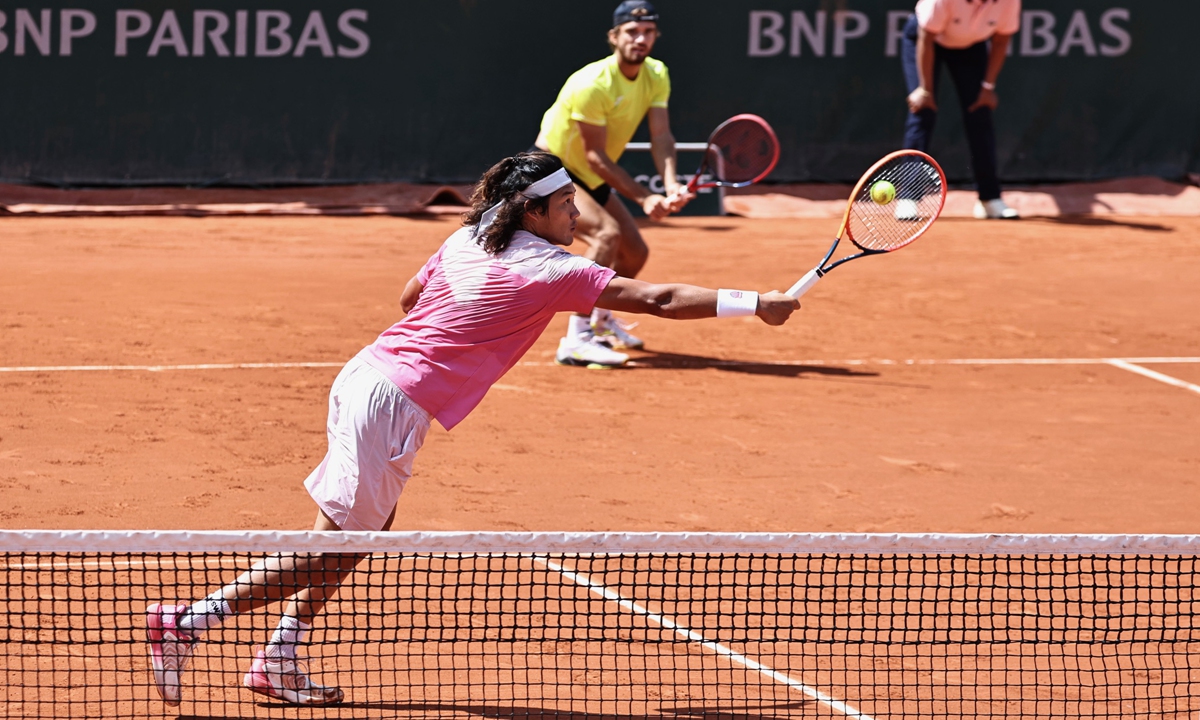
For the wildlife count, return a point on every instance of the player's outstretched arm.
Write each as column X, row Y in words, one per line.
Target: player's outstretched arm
column 689, row 302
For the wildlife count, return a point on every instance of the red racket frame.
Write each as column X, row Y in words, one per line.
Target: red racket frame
column 694, row 183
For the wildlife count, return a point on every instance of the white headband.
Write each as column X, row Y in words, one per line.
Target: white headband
column 548, row 185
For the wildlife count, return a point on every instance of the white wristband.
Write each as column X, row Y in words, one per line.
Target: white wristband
column 736, row 303
column 987, row 85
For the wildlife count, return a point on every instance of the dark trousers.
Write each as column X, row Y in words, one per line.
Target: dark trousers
column 967, row 67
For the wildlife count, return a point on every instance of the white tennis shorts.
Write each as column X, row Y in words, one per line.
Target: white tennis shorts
column 374, row 432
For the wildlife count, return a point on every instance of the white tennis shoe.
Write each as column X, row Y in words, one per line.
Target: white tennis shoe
column 287, row 680
column 995, row 210
column 906, row 210
column 613, row 332
column 584, row 350
column 170, row 649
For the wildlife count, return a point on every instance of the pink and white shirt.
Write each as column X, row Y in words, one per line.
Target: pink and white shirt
column 476, row 317
column 958, row 24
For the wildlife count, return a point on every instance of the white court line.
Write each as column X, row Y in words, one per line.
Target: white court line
column 163, row 368
column 1042, row 361
column 112, row 564
column 718, row 648
column 705, row 362
column 1145, row 372
column 151, row 564
column 948, row 361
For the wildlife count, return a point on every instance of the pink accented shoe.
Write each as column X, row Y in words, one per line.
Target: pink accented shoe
column 170, row 649
column 288, row 680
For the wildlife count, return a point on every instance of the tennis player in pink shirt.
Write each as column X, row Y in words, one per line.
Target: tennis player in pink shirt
column 471, row 312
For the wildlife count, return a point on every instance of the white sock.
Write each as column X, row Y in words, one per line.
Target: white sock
column 288, row 634
column 600, row 316
column 207, row 613
column 578, row 325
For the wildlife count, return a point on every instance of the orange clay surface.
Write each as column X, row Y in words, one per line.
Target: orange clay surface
column 800, row 434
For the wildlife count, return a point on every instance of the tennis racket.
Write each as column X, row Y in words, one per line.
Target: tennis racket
column 741, row 151
column 893, row 204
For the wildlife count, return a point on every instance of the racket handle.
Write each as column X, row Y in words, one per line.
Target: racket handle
column 802, row 286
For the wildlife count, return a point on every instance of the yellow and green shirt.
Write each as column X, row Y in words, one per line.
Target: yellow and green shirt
column 599, row 94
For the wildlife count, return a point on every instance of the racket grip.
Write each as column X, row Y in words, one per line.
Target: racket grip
column 803, row 284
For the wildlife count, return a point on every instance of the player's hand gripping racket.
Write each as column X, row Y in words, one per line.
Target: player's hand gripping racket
column 741, row 151
column 893, row 204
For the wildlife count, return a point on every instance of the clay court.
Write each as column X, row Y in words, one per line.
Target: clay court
column 961, row 482
column 960, row 385
column 859, row 415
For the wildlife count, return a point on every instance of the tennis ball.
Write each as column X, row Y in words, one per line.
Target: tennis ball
column 883, row 192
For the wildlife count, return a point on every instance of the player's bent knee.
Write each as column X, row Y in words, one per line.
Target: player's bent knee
column 638, row 251
column 607, row 238
column 634, row 258
column 634, row 246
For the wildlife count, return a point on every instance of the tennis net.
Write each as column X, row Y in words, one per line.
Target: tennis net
column 627, row 625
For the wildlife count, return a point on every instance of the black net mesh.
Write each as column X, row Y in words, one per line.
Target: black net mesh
column 738, row 636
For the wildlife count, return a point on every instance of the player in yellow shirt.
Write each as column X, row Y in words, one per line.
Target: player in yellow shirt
column 587, row 127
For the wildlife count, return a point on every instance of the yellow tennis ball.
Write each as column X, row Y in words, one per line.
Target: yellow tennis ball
column 883, row 192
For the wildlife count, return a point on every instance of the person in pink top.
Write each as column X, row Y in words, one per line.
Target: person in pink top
column 970, row 38
column 471, row 312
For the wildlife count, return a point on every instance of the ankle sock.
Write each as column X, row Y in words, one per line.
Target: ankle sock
column 205, row 614
column 288, row 634
column 578, row 325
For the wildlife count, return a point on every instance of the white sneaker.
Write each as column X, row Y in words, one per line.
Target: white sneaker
column 287, row 680
column 906, row 210
column 584, row 350
column 994, row 210
column 611, row 331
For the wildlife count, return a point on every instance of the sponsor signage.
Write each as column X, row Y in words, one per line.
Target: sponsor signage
column 316, row 91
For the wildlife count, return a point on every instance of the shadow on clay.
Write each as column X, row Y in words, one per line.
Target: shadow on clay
column 1078, row 220
column 677, row 361
column 723, row 712
column 1094, row 221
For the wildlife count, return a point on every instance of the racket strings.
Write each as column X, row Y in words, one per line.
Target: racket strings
column 890, row 218
column 742, row 151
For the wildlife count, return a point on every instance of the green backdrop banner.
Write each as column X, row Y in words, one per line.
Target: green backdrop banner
column 219, row 91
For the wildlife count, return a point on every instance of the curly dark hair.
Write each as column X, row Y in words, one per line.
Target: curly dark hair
column 503, row 182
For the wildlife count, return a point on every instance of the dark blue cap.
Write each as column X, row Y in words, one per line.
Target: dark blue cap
column 634, row 11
